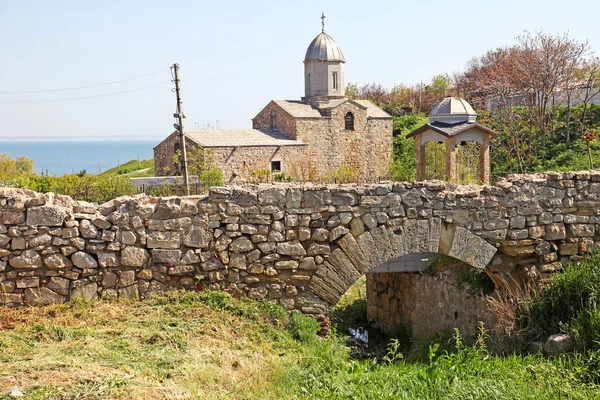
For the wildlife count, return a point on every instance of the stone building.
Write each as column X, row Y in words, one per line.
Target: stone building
column 309, row 139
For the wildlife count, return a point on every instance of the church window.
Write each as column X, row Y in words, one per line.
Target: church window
column 275, row 166
column 335, row 82
column 273, row 119
column 349, row 121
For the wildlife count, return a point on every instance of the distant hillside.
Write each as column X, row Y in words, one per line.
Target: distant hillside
column 132, row 169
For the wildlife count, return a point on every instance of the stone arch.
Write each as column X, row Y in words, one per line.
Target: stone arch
column 358, row 251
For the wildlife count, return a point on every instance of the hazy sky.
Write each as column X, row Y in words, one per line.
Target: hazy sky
column 235, row 56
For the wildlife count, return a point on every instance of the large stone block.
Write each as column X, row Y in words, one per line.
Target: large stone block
column 555, row 231
column 164, row 240
column 84, row 260
column 29, row 259
column 294, row 249
column 166, row 256
column 198, row 237
column 133, row 256
column 48, row 215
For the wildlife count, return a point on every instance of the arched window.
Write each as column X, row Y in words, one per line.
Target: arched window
column 335, row 81
column 349, row 119
column 273, row 119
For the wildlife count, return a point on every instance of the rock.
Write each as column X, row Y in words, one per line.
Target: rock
column 133, row 256
column 108, row 260
column 241, row 245
column 166, row 256
column 109, row 280
column 557, row 344
column 272, row 195
column 212, row 264
column 4, row 239
column 129, row 292
column 164, row 240
column 190, row 258
column 42, row 296
column 182, row 270
column 87, row 292
column 555, row 231
column 47, row 215
column 294, row 249
column 57, row 261
column 128, row 237
column 88, row 230
column 29, row 259
column 318, row 249
column 198, row 237
column 13, row 217
column 127, row 278
column 320, row 235
column 286, row 264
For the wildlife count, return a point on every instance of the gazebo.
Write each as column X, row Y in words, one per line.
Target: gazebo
column 452, row 122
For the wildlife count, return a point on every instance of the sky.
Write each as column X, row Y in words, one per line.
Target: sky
column 234, row 56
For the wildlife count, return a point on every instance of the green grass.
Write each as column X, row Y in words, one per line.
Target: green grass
column 133, row 169
column 211, row 346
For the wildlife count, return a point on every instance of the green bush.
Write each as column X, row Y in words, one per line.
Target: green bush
column 303, row 328
column 568, row 304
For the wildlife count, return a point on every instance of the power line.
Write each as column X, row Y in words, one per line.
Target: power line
column 87, row 86
column 34, row 101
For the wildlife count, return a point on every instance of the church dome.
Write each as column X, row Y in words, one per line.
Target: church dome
column 452, row 110
column 324, row 48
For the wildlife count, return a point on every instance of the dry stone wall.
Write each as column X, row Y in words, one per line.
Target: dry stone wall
column 301, row 245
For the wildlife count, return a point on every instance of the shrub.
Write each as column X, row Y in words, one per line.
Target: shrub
column 569, row 304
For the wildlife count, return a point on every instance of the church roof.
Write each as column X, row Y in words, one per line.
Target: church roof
column 301, row 109
column 324, row 48
column 453, row 110
column 298, row 109
column 242, row 138
column 450, row 130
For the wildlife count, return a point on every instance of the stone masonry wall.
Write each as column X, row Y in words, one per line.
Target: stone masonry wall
column 237, row 163
column 421, row 305
column 283, row 120
column 301, row 245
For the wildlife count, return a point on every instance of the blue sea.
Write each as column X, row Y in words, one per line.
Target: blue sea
column 61, row 157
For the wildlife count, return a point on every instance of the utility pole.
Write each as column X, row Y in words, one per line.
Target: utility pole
column 180, row 117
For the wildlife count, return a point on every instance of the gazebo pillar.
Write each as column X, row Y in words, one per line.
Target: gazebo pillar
column 420, row 153
column 484, row 161
column 451, row 167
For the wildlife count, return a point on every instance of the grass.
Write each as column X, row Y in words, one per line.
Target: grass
column 133, row 169
column 210, row 346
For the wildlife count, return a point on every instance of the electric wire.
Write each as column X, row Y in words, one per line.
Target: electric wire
column 34, row 101
column 87, row 86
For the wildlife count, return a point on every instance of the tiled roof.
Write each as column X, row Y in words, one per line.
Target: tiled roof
column 242, row 138
column 450, row 130
column 301, row 109
column 298, row 109
column 372, row 110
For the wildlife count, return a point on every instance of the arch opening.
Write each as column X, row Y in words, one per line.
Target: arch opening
column 435, row 160
column 468, row 163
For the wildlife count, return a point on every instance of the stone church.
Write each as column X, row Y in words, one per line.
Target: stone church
column 308, row 139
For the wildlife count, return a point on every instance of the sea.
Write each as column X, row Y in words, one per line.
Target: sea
column 59, row 157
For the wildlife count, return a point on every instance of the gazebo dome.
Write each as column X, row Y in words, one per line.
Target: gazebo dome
column 324, row 48
column 453, row 110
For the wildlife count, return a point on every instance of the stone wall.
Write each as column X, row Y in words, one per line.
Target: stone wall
column 420, row 305
column 163, row 155
column 283, row 120
column 238, row 163
column 302, row 245
column 235, row 163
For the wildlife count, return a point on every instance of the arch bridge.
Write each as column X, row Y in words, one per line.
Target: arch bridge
column 303, row 245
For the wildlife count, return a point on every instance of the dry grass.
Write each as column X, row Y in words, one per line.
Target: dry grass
column 167, row 348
